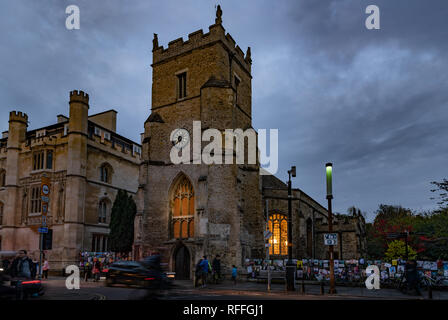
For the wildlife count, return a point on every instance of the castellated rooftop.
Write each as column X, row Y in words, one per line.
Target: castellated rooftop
column 197, row 40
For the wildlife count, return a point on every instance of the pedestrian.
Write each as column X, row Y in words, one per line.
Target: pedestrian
column 412, row 276
column 96, row 270
column 216, row 268
column 87, row 271
column 234, row 274
column 45, row 268
column 204, row 270
column 23, row 266
column 197, row 273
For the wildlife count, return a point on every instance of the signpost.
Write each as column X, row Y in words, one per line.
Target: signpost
column 331, row 239
column 45, row 200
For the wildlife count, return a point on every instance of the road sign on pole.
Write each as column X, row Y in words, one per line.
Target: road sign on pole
column 330, row 239
column 45, row 198
column 43, row 230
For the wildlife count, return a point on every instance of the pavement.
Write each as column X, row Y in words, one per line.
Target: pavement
column 184, row 290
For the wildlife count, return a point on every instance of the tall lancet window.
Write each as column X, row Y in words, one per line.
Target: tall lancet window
column 182, row 210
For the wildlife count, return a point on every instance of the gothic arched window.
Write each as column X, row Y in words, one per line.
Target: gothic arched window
column 102, row 211
column 182, row 210
column 278, row 225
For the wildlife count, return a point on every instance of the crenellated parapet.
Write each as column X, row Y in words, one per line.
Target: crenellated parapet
column 18, row 116
column 79, row 96
column 197, row 40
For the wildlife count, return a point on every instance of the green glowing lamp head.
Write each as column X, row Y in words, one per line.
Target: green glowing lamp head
column 329, row 172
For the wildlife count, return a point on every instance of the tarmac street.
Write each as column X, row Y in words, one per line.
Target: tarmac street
column 183, row 290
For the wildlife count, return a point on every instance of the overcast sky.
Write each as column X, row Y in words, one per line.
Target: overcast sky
column 373, row 102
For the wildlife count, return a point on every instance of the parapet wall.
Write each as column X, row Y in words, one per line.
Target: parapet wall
column 198, row 39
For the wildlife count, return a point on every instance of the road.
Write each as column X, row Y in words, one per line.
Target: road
column 183, row 290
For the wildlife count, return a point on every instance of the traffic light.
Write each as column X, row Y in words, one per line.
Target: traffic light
column 47, row 240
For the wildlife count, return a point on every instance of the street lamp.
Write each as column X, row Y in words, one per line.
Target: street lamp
column 329, row 174
column 290, row 267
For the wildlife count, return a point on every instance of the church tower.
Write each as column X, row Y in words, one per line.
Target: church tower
column 193, row 209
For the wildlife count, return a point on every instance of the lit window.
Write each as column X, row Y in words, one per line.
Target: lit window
column 278, row 225
column 183, row 210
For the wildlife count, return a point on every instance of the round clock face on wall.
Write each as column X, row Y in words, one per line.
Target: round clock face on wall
column 180, row 138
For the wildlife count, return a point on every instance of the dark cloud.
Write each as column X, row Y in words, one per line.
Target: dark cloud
column 373, row 102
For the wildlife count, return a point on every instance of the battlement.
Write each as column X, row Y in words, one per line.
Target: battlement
column 198, row 39
column 18, row 116
column 79, row 96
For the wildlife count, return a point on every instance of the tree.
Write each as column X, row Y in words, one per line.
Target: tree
column 442, row 188
column 122, row 223
column 397, row 250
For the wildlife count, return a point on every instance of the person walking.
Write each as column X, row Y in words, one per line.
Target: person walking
column 22, row 268
column 87, row 271
column 216, row 265
column 234, row 274
column 204, row 270
column 45, row 268
column 197, row 273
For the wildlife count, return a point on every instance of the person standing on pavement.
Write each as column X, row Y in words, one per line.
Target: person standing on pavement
column 45, row 268
column 204, row 269
column 412, row 276
column 234, row 274
column 216, row 265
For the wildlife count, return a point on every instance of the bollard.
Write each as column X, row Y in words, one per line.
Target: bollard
column 322, row 288
column 430, row 292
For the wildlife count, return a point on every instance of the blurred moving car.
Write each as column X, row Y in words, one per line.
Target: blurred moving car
column 146, row 274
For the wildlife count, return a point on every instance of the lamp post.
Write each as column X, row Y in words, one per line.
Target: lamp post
column 290, row 267
column 329, row 173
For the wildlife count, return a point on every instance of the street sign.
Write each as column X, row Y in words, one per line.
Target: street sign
column 330, row 239
column 45, row 199
column 45, row 189
column 267, row 234
column 43, row 230
column 44, row 221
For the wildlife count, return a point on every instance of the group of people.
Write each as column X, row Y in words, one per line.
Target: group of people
column 25, row 267
column 204, row 270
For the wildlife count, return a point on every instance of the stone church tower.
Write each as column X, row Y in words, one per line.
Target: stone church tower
column 189, row 210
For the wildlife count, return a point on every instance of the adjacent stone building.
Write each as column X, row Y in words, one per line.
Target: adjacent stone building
column 193, row 209
column 87, row 162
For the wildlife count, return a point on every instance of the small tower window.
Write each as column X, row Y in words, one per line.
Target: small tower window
column 38, row 160
column 1, row 213
column 102, row 211
column 237, row 83
column 182, row 85
column 2, row 178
